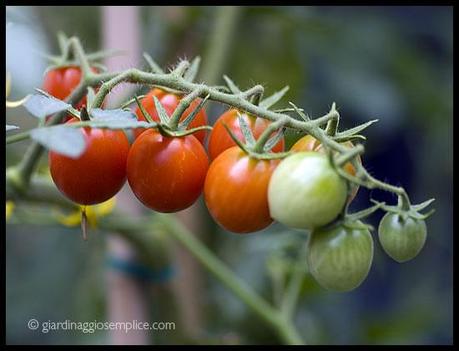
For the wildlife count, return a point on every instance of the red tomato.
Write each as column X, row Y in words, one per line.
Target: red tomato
column 220, row 140
column 61, row 82
column 166, row 174
column 235, row 191
column 170, row 102
column 99, row 173
column 309, row 143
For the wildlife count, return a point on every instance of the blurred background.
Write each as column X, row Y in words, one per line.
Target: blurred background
column 390, row 63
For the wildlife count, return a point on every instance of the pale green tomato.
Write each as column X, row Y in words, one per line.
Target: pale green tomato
column 340, row 258
column 305, row 191
column 402, row 239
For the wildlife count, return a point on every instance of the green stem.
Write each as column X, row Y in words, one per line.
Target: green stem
column 231, row 281
column 292, row 293
column 17, row 137
column 226, row 18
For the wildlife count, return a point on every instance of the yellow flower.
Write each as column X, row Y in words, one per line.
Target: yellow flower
column 12, row 104
column 92, row 214
column 9, row 209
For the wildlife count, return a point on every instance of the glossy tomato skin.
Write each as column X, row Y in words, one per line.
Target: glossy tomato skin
column 235, row 191
column 309, row 143
column 170, row 102
column 402, row 239
column 61, row 82
column 220, row 140
column 305, row 192
column 340, row 257
column 99, row 173
column 166, row 174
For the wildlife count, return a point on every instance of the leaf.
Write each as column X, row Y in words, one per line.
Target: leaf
column 163, row 116
column 116, row 114
column 274, row 98
column 184, row 124
column 273, row 140
column 355, row 130
column 62, row 139
column 246, row 131
column 11, row 127
column 232, row 87
column 41, row 106
column 192, row 72
column 116, row 119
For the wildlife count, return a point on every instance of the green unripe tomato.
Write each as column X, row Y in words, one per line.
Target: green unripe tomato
column 402, row 239
column 305, row 191
column 339, row 258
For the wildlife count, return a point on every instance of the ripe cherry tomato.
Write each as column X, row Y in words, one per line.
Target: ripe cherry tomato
column 402, row 239
column 220, row 140
column 235, row 191
column 309, row 143
column 305, row 191
column 99, row 173
column 166, row 173
column 170, row 102
column 61, row 82
column 340, row 257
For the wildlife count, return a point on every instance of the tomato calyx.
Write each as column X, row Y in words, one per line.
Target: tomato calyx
column 172, row 126
column 406, row 211
column 354, row 220
column 259, row 149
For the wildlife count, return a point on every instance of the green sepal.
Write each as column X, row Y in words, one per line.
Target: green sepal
column 143, row 111
column 163, row 116
column 300, row 112
column 231, row 85
column 155, row 68
column 273, row 140
column 192, row 71
column 274, row 98
column 246, row 131
column 184, row 124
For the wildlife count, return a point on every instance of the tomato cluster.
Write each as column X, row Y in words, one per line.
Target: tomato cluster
column 245, row 191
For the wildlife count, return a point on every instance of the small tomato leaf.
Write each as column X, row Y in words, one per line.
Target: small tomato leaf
column 41, row 106
column 62, row 139
column 116, row 119
column 117, row 114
